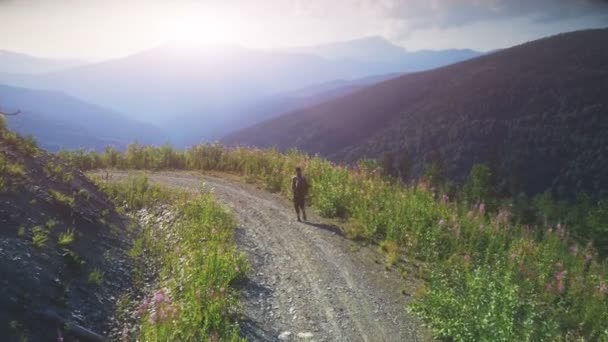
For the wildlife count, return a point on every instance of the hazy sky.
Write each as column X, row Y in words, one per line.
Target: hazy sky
column 96, row 29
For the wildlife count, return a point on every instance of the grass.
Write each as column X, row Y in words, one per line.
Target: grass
column 66, row 238
column 40, row 236
column 96, row 277
column 194, row 300
column 55, row 171
column 488, row 275
column 61, row 198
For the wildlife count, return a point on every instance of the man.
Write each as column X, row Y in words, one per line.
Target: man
column 299, row 186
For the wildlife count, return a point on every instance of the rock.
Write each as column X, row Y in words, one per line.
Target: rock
column 305, row 335
column 284, row 335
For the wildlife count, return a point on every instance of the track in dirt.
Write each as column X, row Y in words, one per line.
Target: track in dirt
column 307, row 282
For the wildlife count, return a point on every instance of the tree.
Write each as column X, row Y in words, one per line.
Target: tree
column 478, row 185
column 388, row 165
column 404, row 166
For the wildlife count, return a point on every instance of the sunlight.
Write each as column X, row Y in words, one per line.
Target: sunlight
column 212, row 29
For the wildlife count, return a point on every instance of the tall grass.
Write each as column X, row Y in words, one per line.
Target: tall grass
column 487, row 277
column 195, row 299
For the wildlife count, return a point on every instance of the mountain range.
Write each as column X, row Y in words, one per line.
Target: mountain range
column 19, row 63
column 59, row 121
column 198, row 93
column 536, row 112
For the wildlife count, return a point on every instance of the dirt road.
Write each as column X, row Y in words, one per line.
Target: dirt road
column 307, row 281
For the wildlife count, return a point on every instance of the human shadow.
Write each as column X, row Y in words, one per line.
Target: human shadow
column 329, row 227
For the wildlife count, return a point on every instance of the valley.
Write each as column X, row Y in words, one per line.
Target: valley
column 264, row 170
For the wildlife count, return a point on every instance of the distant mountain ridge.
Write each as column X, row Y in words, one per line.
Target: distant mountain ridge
column 537, row 111
column 59, row 121
column 13, row 62
column 376, row 49
column 202, row 92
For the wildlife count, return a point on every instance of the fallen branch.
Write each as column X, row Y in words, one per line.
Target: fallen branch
column 73, row 328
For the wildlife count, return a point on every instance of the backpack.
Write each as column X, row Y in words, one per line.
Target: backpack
column 301, row 187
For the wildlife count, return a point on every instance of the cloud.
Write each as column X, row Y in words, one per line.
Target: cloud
column 420, row 14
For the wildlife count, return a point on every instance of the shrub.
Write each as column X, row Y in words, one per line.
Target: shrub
column 40, row 236
column 66, row 238
column 96, row 277
column 61, row 198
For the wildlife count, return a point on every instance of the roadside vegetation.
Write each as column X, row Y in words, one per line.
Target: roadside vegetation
column 195, row 299
column 493, row 268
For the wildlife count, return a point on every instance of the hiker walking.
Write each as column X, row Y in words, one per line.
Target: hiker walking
column 299, row 186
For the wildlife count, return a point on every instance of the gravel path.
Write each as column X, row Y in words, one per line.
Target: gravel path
column 307, row 282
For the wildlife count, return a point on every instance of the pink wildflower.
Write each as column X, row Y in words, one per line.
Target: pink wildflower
column 153, row 317
column 561, row 275
column 467, row 258
column 125, row 334
column 445, row 198
column 441, row 222
column 588, row 257
column 163, row 315
column 159, row 297
column 560, row 288
column 481, row 208
column 603, row 288
column 574, row 249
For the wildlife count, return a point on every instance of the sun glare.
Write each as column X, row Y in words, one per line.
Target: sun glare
column 208, row 29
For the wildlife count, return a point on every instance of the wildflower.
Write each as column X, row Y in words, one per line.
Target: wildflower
column 560, row 288
column 481, row 209
column 603, row 288
column 197, row 294
column 559, row 276
column 588, row 257
column 163, row 315
column 153, row 317
column 159, row 297
column 574, row 249
column 441, row 222
column 445, row 198
column 222, row 289
column 513, row 255
column 59, row 335
column 467, row 258
column 481, row 226
column 237, row 269
column 125, row 334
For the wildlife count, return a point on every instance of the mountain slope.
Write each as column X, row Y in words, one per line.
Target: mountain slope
column 57, row 230
column 536, row 110
column 59, row 121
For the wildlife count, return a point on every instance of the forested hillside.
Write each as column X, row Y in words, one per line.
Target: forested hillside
column 535, row 113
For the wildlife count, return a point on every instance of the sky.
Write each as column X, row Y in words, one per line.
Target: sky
column 99, row 29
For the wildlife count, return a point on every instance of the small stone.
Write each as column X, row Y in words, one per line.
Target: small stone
column 284, row 335
column 305, row 335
